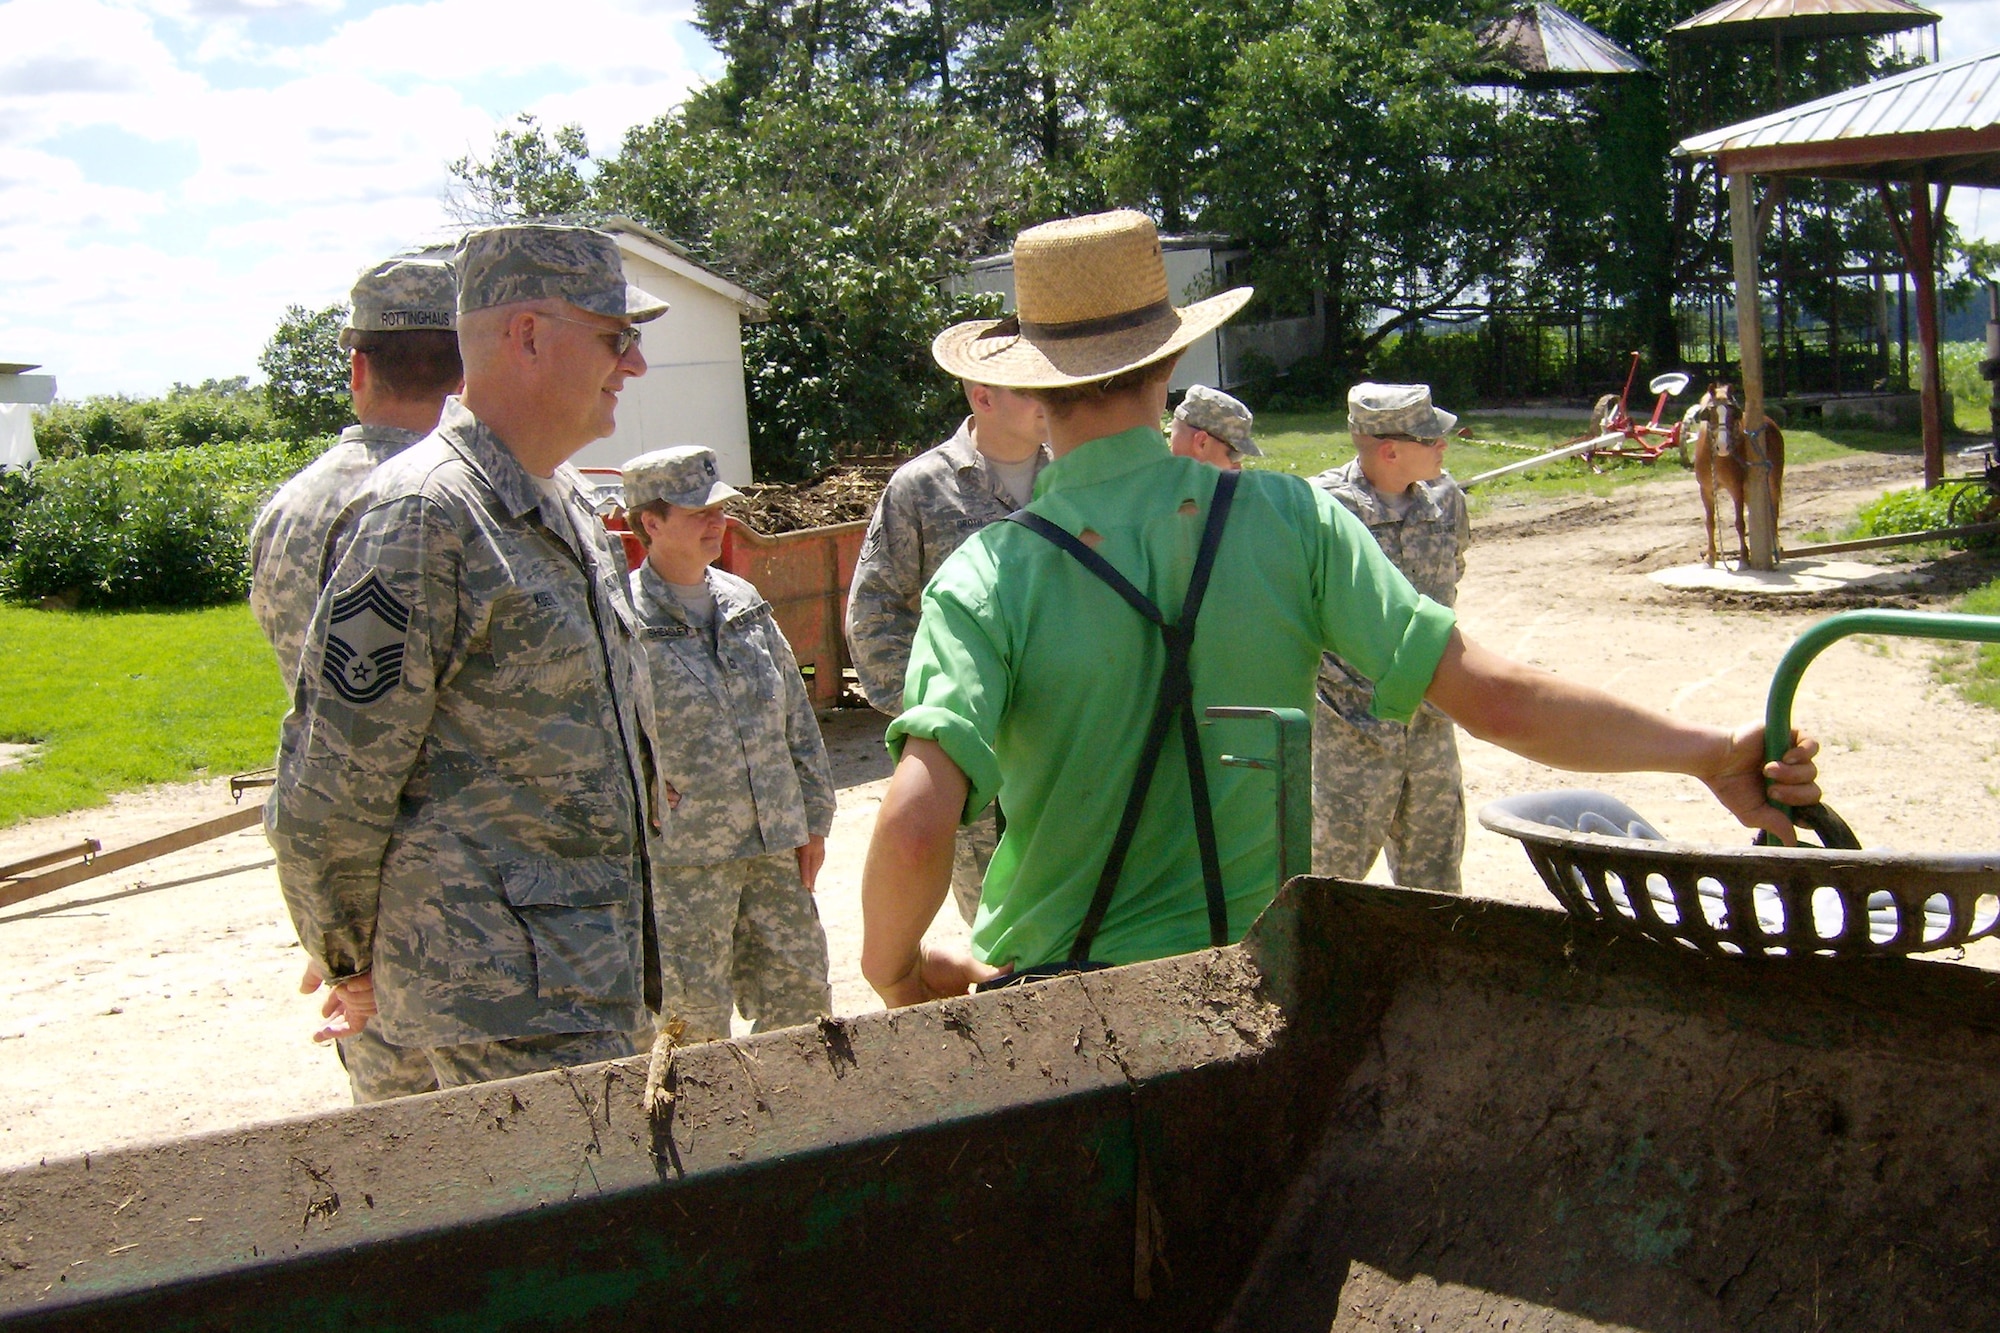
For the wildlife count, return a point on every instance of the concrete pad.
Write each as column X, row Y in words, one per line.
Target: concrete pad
column 1790, row 578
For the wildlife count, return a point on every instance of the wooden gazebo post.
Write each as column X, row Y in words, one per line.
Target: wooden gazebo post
column 1916, row 234
column 1923, row 239
column 1759, row 520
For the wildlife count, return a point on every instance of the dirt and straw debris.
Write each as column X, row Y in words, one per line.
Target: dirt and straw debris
column 844, row 494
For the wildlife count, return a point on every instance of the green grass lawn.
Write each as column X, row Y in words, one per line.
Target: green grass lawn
column 117, row 700
column 1310, row 442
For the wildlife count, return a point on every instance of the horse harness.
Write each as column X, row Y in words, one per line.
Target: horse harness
column 1175, row 700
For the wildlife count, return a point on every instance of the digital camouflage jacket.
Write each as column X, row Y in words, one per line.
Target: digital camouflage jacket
column 1427, row 542
column 931, row 505
column 290, row 541
column 464, row 783
column 738, row 738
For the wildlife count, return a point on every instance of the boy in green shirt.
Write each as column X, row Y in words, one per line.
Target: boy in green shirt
column 1035, row 679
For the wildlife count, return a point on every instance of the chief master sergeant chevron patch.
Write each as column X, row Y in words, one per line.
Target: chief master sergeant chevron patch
column 365, row 634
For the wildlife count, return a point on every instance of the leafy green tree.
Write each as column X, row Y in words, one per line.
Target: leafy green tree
column 530, row 173
column 305, row 372
column 1158, row 74
column 788, row 45
column 848, row 208
column 1002, row 61
column 1357, row 168
column 1666, row 219
column 847, row 205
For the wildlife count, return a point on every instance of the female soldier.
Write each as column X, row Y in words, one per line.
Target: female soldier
column 741, row 763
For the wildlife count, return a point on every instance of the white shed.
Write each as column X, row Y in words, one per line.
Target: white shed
column 692, row 391
column 20, row 394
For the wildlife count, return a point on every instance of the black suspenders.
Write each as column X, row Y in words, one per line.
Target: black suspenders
column 1176, row 697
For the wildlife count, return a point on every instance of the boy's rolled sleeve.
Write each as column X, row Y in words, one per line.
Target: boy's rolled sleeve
column 955, row 691
column 1400, row 690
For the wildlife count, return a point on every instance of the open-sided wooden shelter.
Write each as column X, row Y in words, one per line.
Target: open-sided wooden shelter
column 1926, row 130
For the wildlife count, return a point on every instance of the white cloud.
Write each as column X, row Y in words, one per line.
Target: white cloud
column 197, row 10
column 72, row 63
column 1969, row 27
column 460, row 40
column 157, row 214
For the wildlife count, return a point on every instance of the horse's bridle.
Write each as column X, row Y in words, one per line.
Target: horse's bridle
column 1718, row 412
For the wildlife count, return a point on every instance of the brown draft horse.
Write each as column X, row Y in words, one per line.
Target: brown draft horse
column 1722, row 450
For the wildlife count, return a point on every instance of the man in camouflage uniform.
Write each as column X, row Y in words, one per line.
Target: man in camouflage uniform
column 1211, row 427
column 932, row 504
column 461, row 827
column 403, row 361
column 741, row 762
column 1378, row 782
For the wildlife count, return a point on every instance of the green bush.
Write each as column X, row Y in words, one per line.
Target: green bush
column 102, row 425
column 162, row 528
column 15, row 492
column 215, row 412
column 1919, row 510
column 1309, row 385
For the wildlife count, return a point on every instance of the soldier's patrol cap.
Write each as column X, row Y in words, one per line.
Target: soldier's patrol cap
column 685, row 475
column 1220, row 415
column 544, row 262
column 405, row 294
column 1397, row 409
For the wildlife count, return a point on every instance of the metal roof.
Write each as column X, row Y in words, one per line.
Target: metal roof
column 677, row 258
column 1548, row 47
column 1944, row 118
column 1746, row 20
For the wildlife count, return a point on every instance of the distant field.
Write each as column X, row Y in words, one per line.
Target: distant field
column 1306, row 443
column 118, row 700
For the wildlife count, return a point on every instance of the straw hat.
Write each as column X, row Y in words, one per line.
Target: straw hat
column 1091, row 302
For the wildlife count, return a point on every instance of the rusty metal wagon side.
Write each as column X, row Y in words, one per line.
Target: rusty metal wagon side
column 805, row 577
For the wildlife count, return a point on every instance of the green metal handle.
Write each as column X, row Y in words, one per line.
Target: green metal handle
column 1291, row 765
column 1903, row 624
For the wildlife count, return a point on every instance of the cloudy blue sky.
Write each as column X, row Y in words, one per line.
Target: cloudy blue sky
column 174, row 173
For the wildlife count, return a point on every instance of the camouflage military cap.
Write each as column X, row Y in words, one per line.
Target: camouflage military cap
column 1397, row 409
column 405, row 294
column 1220, row 415
column 542, row 262
column 685, row 475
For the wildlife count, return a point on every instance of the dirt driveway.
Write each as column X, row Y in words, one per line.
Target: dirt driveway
column 160, row 1001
